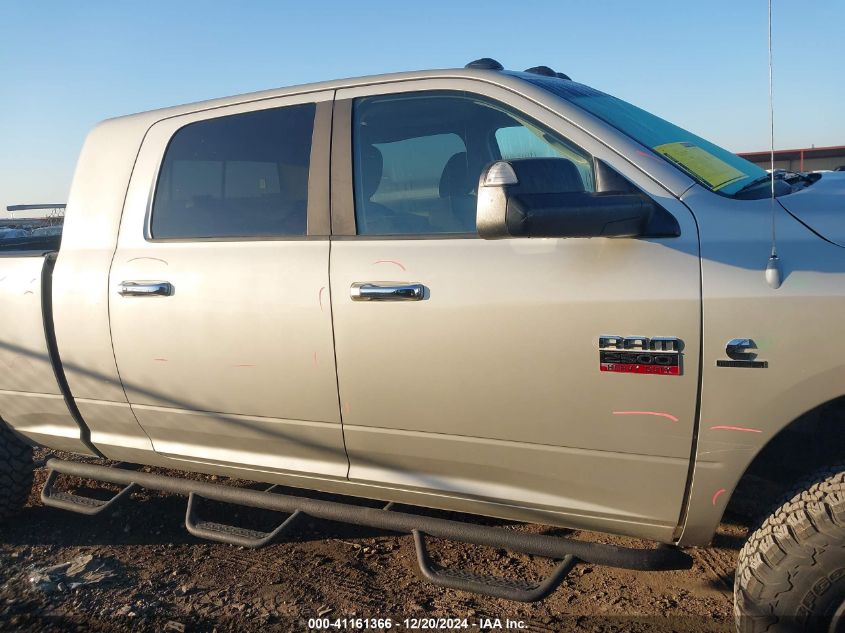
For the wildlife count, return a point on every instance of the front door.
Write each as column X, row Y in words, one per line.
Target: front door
column 488, row 388
column 219, row 300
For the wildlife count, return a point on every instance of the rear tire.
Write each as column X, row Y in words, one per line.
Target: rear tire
column 791, row 572
column 15, row 473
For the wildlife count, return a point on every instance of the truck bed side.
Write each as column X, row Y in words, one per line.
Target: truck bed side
column 32, row 399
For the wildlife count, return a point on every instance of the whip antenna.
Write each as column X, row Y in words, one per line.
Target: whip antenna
column 774, row 275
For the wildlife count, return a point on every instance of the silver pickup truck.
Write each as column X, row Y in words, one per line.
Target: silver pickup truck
column 493, row 292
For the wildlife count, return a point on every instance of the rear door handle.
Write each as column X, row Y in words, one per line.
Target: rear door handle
column 145, row 289
column 367, row 291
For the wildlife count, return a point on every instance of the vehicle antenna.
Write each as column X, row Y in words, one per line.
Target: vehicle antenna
column 774, row 275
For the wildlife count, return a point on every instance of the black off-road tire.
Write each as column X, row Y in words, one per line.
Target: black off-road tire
column 791, row 572
column 15, row 473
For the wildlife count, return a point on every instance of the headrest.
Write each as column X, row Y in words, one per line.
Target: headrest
column 455, row 180
column 372, row 166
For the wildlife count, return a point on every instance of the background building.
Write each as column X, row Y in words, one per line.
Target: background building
column 807, row 159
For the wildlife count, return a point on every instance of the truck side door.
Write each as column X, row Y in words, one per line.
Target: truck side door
column 219, row 301
column 489, row 390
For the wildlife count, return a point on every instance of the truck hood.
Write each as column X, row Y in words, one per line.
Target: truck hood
column 821, row 206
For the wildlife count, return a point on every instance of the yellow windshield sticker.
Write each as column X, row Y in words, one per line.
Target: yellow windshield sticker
column 701, row 163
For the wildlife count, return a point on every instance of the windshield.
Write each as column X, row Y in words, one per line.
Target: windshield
column 714, row 167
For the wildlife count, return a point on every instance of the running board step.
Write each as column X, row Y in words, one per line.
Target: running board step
column 77, row 503
column 519, row 590
column 567, row 551
column 231, row 534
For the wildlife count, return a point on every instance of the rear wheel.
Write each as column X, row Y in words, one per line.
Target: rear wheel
column 15, row 473
column 791, row 572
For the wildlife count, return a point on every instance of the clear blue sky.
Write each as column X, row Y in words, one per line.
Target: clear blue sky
column 66, row 65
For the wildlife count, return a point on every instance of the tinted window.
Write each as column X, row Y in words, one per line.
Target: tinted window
column 417, row 159
column 523, row 141
column 236, row 176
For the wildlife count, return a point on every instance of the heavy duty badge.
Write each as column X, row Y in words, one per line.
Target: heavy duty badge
column 660, row 355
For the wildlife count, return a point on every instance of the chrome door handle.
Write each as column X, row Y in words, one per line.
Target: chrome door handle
column 145, row 289
column 365, row 291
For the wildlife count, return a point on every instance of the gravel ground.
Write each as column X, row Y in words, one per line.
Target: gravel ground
column 146, row 573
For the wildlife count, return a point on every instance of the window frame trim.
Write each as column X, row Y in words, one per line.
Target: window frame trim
column 343, row 220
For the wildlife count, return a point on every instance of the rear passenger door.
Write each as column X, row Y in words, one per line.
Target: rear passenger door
column 488, row 388
column 219, row 301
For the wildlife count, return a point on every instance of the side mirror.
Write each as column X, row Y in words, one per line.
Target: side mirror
column 545, row 197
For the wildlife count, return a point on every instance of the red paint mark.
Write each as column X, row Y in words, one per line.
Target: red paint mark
column 161, row 360
column 647, row 155
column 346, row 407
column 389, row 261
column 243, row 365
column 725, row 427
column 716, row 495
column 668, row 416
column 320, row 297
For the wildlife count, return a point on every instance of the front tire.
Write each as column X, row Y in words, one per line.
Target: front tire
column 791, row 572
column 15, row 473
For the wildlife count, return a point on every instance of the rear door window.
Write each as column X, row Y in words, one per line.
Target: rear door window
column 244, row 175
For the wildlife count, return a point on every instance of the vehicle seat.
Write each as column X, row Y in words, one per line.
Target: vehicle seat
column 374, row 217
column 456, row 187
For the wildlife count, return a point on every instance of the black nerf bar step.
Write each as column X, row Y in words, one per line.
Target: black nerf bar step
column 658, row 559
column 77, row 503
column 521, row 590
column 231, row 534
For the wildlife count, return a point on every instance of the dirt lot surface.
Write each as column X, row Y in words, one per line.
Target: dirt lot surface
column 144, row 572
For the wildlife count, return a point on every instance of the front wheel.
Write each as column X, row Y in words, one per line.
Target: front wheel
column 791, row 572
column 15, row 473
